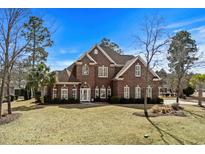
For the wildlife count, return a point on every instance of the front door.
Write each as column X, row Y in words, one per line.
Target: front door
column 85, row 94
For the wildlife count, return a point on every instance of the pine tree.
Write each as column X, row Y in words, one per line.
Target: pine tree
column 39, row 37
column 182, row 55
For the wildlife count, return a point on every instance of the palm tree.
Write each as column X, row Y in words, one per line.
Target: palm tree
column 198, row 80
column 40, row 77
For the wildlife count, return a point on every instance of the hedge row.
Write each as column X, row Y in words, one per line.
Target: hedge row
column 118, row 100
column 48, row 100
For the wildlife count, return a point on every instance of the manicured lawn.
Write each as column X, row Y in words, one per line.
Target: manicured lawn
column 100, row 124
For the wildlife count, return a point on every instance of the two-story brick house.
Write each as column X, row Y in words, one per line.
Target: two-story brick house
column 102, row 72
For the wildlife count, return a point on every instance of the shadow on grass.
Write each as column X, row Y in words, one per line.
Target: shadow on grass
column 94, row 105
column 198, row 117
column 27, row 108
column 162, row 133
column 80, row 106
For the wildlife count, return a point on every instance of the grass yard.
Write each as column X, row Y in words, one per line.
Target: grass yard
column 100, row 124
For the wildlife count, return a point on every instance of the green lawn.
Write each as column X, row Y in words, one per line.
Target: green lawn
column 100, row 124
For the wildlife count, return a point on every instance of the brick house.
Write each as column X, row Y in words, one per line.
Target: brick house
column 101, row 73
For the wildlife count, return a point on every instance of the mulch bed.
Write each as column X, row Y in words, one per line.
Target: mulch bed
column 176, row 113
column 9, row 118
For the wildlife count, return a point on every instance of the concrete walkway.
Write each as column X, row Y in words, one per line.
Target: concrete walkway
column 182, row 101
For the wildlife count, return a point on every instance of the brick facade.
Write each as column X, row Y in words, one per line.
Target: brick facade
column 93, row 61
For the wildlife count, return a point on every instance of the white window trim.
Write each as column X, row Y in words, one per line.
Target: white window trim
column 97, row 92
column 149, row 91
column 63, row 95
column 104, row 73
column 85, row 66
column 109, row 92
column 126, row 92
column 74, row 93
column 54, row 92
column 138, row 70
column 103, row 89
column 137, row 92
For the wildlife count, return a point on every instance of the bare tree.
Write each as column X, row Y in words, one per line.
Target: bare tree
column 12, row 45
column 152, row 40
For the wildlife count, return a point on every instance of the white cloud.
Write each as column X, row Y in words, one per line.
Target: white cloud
column 68, row 51
column 59, row 64
column 185, row 23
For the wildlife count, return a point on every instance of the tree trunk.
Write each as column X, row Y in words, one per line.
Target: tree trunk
column 145, row 94
column 8, row 93
column 2, row 89
column 200, row 94
column 178, row 90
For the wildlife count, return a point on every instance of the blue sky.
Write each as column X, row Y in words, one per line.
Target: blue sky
column 77, row 30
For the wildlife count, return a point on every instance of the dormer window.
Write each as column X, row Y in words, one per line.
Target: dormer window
column 85, row 70
column 96, row 51
column 138, row 70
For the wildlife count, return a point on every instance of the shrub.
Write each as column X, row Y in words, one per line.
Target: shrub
column 124, row 101
column 131, row 101
column 63, row 101
column 188, row 91
column 12, row 98
column 139, row 101
column 16, row 97
column 17, row 92
column 56, row 101
column 47, row 99
column 156, row 109
column 114, row 100
column 161, row 109
column 155, row 101
column 38, row 96
column 97, row 99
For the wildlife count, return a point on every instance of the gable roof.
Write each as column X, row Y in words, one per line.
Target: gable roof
column 129, row 63
column 118, row 58
column 126, row 61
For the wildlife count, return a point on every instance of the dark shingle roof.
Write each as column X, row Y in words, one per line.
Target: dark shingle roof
column 119, row 59
column 65, row 76
column 62, row 76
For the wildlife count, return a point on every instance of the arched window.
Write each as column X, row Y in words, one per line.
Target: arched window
column 126, row 92
column 85, row 69
column 149, row 91
column 137, row 92
column 103, row 92
column 108, row 91
column 64, row 92
column 54, row 92
column 138, row 70
column 74, row 92
column 96, row 92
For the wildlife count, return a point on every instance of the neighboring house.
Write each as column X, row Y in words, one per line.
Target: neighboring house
column 102, row 73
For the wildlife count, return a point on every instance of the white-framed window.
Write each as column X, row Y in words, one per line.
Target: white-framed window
column 138, row 70
column 126, row 92
column 96, row 92
column 108, row 91
column 102, row 71
column 74, row 92
column 149, row 91
column 103, row 92
column 54, row 93
column 85, row 69
column 137, row 92
column 96, row 51
column 64, row 93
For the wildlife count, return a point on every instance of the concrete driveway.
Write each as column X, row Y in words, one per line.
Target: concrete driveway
column 168, row 101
